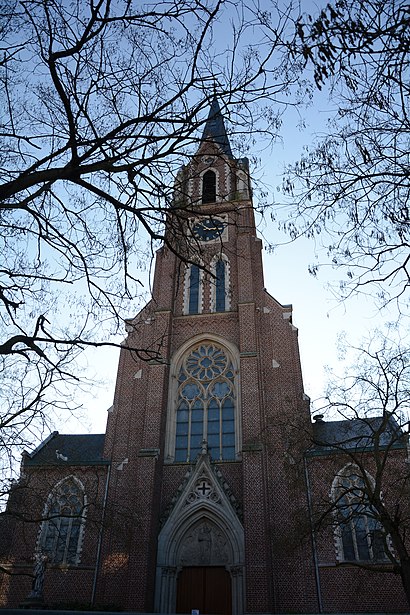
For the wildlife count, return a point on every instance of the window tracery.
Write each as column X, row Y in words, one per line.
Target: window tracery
column 62, row 531
column 360, row 536
column 205, row 408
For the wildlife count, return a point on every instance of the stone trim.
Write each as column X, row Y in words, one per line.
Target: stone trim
column 211, row 513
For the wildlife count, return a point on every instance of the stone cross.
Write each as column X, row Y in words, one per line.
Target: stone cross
column 204, row 488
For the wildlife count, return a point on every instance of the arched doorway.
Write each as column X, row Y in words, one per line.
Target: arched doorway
column 203, row 582
column 201, row 558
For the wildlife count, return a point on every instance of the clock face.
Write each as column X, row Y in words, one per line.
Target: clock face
column 208, row 229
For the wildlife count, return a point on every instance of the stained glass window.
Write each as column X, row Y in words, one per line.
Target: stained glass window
column 362, row 537
column 61, row 532
column 206, row 405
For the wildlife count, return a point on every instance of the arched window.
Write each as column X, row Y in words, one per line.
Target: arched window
column 62, row 529
column 220, row 300
column 205, row 409
column 193, row 290
column 220, row 286
column 209, row 187
column 360, row 535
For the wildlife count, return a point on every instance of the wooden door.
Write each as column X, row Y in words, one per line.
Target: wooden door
column 205, row 588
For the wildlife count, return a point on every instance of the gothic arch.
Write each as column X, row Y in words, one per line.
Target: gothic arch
column 62, row 531
column 193, row 289
column 358, row 534
column 202, row 530
column 231, row 353
column 174, row 539
column 209, row 185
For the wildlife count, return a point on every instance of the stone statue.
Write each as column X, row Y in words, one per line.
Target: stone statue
column 39, row 567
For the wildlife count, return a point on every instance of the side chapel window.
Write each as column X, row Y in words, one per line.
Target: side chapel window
column 360, row 534
column 61, row 532
column 205, row 404
column 209, row 187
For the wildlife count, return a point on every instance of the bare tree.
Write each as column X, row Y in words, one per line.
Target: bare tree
column 49, row 514
column 104, row 101
column 352, row 187
column 368, row 506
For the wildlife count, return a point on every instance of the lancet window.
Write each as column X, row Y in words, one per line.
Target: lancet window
column 220, row 297
column 360, row 536
column 63, row 527
column 194, row 294
column 220, row 286
column 193, row 290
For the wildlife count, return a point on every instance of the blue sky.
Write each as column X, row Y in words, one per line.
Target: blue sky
column 318, row 314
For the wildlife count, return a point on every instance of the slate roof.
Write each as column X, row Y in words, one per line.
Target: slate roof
column 355, row 433
column 68, row 449
column 215, row 129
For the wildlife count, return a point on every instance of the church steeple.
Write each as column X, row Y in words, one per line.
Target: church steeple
column 213, row 177
column 215, row 129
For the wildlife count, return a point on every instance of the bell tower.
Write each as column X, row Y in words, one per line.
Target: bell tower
column 200, row 438
column 213, row 215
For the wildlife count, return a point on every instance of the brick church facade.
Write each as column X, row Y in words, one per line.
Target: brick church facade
column 200, row 495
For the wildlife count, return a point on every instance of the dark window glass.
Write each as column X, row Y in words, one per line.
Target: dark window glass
column 220, row 286
column 180, row 453
column 361, row 529
column 61, row 533
column 362, row 537
column 194, row 290
column 229, row 453
column 347, row 541
column 378, row 544
column 209, row 187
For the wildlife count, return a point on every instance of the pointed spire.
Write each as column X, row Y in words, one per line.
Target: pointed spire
column 215, row 128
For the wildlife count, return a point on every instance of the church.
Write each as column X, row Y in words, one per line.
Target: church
column 200, row 496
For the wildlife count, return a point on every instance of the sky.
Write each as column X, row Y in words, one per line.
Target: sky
column 320, row 317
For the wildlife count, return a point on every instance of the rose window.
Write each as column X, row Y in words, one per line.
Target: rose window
column 206, row 362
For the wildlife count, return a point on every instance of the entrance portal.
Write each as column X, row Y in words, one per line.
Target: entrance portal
column 201, row 552
column 205, row 588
